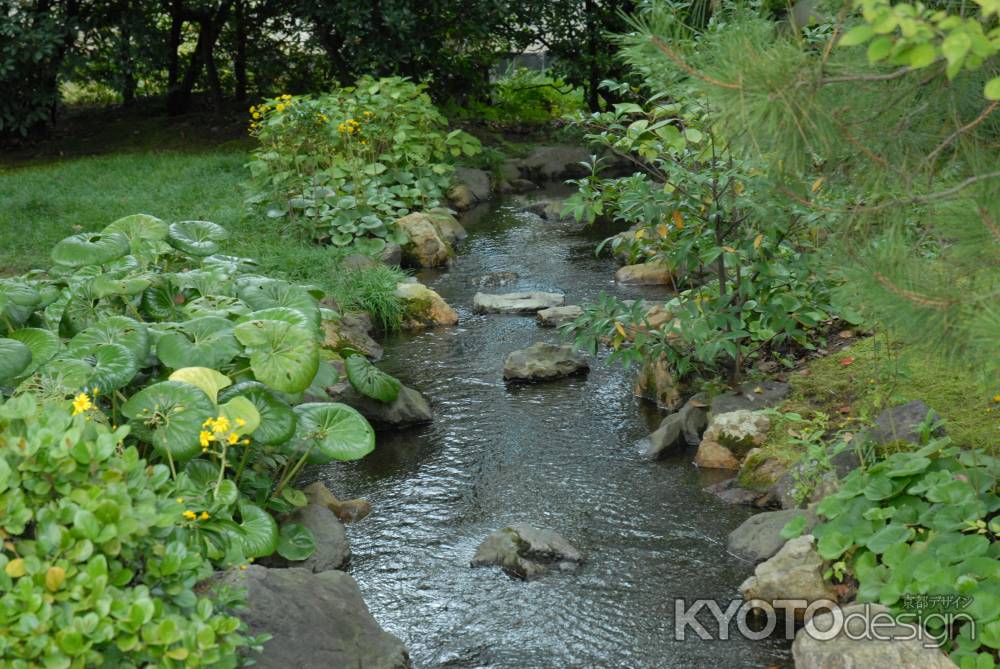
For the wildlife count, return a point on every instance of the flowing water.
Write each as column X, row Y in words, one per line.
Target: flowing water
column 560, row 455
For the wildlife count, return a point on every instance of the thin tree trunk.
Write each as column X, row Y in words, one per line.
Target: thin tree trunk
column 240, row 62
column 211, row 25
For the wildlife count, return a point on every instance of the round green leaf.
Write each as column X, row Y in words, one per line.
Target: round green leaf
column 15, row 359
column 18, row 300
column 139, row 228
column 258, row 530
column 293, row 316
column 296, row 542
column 262, row 293
column 163, row 300
column 105, row 285
column 120, row 330
column 170, row 415
column 282, row 355
column 114, row 366
column 43, row 344
column 332, row 431
column 277, row 420
column 199, row 238
column 833, row 544
column 209, row 380
column 202, row 342
column 90, row 248
column 888, row 536
column 370, row 381
column 69, row 374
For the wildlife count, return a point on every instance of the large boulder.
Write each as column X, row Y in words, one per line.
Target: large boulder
column 515, row 303
column 316, row 621
column 471, row 186
column 655, row 382
column 550, row 163
column 679, row 429
column 644, row 274
column 759, row 471
column 544, row 362
column 425, row 246
column 729, row 437
column 527, row 552
column 423, row 307
column 448, row 227
column 902, row 423
column 333, row 551
column 348, row 510
column 854, row 646
column 555, row 316
column 408, row 409
column 759, row 537
column 351, row 331
column 794, row 572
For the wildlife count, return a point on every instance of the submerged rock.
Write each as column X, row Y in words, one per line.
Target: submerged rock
column 348, row 511
column 409, row 408
column 527, row 552
column 493, row 279
column 316, row 621
column 515, row 303
column 759, row 537
column 424, row 307
column 544, row 362
column 517, row 185
column 644, row 274
column 794, row 572
column 555, row 316
column 853, row 647
column 731, row 493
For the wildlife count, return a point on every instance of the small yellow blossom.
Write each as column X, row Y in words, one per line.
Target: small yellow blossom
column 180, row 500
column 205, row 438
column 286, row 96
column 190, row 515
column 245, row 442
column 203, row 516
column 81, row 403
column 280, row 106
column 996, row 398
column 233, row 439
column 368, row 114
column 240, row 422
column 209, row 422
column 221, row 424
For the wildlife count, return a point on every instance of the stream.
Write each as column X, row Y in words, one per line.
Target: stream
column 560, row 455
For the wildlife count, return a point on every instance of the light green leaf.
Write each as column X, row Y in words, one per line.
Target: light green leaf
column 90, row 248
column 199, row 238
column 15, row 359
column 43, row 344
column 332, row 431
column 277, row 420
column 370, row 381
column 209, row 380
column 992, row 89
column 857, row 35
column 202, row 342
column 258, row 530
column 240, row 409
column 114, row 366
column 296, row 542
column 120, row 330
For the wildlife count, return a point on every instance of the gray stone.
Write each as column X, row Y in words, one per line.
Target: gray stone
column 448, row 227
column 333, row 551
column 902, row 423
column 316, row 621
column 493, row 279
column 409, row 408
column 852, row 649
column 679, row 429
column 759, row 537
column 554, row 162
column 794, row 572
column 543, row 362
column 425, row 246
column 391, row 255
column 478, row 182
column 731, row 493
column 555, row 316
column 515, row 303
column 526, row 552
column 517, row 185
column 750, row 396
column 645, row 274
column 351, row 331
column 347, row 511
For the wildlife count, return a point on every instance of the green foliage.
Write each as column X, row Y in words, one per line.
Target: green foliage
column 142, row 325
column 924, row 523
column 95, row 567
column 344, row 166
column 526, row 97
column 370, row 381
column 746, row 266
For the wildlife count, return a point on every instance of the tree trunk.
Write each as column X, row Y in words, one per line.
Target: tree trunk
column 127, row 63
column 179, row 101
column 174, row 44
column 240, row 61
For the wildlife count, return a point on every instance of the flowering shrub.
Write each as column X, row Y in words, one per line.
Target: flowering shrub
column 94, row 567
column 344, row 166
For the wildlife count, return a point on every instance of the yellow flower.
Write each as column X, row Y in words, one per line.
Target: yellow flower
column 996, row 398
column 256, row 114
column 368, row 114
column 286, row 96
column 209, row 422
column 190, row 515
column 233, row 439
column 205, row 438
column 203, row 516
column 252, row 109
column 245, row 442
column 240, row 422
column 221, row 424
column 280, row 106
column 81, row 403
column 180, row 500
column 96, row 390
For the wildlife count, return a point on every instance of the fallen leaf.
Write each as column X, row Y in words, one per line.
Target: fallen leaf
column 757, row 241
column 846, row 409
column 678, row 219
column 846, row 362
column 845, row 334
column 818, row 184
column 758, row 390
column 805, row 372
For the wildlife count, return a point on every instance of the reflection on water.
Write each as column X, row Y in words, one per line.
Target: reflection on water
column 559, row 455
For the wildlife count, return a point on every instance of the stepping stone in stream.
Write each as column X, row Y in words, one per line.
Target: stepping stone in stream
column 515, row 303
column 555, row 316
column 544, row 362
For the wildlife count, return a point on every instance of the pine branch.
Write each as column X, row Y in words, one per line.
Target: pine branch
column 672, row 55
column 965, row 128
column 910, row 295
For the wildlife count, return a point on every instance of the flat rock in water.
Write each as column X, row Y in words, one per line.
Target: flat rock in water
column 679, row 429
column 515, row 303
column 494, row 279
column 316, row 621
column 556, row 316
column 853, row 648
column 543, row 362
column 410, row 408
column 527, row 552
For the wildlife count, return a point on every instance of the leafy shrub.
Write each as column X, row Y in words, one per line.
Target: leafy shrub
column 922, row 523
column 344, row 166
column 744, row 265
column 524, row 96
column 208, row 363
column 94, row 568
